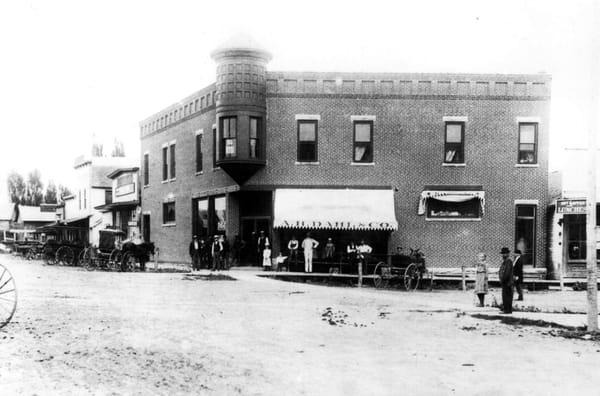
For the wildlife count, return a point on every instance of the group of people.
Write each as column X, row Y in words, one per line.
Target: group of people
column 510, row 275
column 309, row 246
column 214, row 253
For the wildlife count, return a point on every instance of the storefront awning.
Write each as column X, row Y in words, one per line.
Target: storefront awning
column 450, row 196
column 117, row 206
column 335, row 209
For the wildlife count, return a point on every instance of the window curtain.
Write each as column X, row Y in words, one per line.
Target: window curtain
column 450, row 196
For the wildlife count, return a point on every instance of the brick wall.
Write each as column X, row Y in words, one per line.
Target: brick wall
column 408, row 154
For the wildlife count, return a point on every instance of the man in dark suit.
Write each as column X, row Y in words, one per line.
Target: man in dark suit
column 195, row 252
column 518, row 274
column 505, row 275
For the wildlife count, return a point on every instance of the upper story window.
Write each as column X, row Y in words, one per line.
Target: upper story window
column 168, row 212
column 168, row 161
column 454, row 143
column 198, row 152
column 172, row 160
column 215, row 151
column 528, row 143
column 146, row 169
column 255, row 132
column 228, row 137
column 165, row 163
column 363, row 142
column 308, row 141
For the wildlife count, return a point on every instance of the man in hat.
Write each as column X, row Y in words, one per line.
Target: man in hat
column 505, row 275
column 261, row 245
column 216, row 251
column 518, row 274
column 195, row 252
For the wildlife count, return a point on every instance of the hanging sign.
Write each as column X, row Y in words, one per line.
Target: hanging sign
column 571, row 206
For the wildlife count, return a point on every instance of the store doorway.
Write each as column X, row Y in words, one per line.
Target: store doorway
column 146, row 227
column 525, row 223
column 250, row 228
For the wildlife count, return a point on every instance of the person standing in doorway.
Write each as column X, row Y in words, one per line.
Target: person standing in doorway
column 261, row 245
column 518, row 274
column 481, row 278
column 195, row 253
column 308, row 244
column 505, row 275
column 216, row 251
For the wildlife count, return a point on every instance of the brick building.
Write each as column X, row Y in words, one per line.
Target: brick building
column 453, row 164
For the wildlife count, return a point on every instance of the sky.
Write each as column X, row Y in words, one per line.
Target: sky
column 77, row 71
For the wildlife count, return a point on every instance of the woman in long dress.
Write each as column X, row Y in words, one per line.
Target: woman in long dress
column 481, row 278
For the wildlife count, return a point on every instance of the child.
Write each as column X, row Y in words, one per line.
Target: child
column 267, row 258
column 280, row 261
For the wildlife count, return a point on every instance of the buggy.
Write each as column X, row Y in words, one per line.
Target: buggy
column 108, row 254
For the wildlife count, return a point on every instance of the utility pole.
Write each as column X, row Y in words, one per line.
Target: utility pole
column 592, row 278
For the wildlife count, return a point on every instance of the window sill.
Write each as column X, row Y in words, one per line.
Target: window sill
column 362, row 163
column 308, row 163
column 527, row 165
column 199, row 173
column 173, row 179
column 169, row 224
column 454, row 165
column 147, row 186
column 450, row 219
column 164, row 181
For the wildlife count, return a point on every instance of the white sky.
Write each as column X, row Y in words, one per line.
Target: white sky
column 71, row 69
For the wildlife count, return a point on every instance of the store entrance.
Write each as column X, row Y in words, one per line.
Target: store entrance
column 250, row 229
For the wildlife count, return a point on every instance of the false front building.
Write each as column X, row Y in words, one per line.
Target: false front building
column 453, row 164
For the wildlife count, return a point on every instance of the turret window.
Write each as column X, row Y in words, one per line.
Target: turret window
column 228, row 137
column 255, row 127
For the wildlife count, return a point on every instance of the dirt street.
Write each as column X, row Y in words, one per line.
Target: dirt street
column 78, row 332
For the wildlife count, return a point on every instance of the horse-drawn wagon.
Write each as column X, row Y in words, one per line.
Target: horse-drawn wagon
column 108, row 254
column 407, row 269
column 64, row 244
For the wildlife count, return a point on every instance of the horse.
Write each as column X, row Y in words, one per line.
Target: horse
column 140, row 252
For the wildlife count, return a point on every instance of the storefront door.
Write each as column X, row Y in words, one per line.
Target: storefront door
column 146, row 227
column 251, row 227
column 525, row 232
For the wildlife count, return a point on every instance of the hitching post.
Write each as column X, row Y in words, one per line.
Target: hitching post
column 156, row 259
column 360, row 263
column 464, row 281
column 592, row 276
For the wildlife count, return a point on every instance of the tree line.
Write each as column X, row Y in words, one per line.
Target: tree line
column 30, row 190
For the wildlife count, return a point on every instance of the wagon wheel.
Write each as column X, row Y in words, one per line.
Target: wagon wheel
column 412, row 277
column 49, row 256
column 128, row 262
column 8, row 296
column 30, row 254
column 65, row 255
column 115, row 258
column 86, row 259
column 381, row 275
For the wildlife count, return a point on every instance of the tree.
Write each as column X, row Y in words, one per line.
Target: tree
column 16, row 187
column 63, row 192
column 35, row 188
column 118, row 149
column 97, row 150
column 51, row 193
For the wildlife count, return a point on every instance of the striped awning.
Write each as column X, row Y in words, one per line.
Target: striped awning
column 343, row 209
